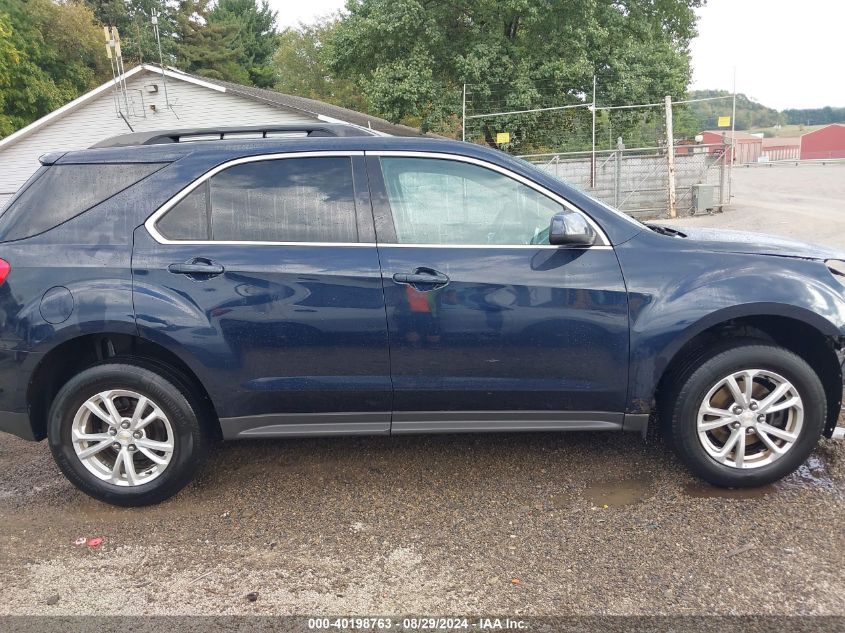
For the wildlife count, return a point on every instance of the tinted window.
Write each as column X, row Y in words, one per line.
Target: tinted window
column 289, row 200
column 436, row 201
column 64, row 191
column 285, row 200
column 188, row 220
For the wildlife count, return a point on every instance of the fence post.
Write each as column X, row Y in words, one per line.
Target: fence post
column 670, row 158
column 723, row 172
column 593, row 153
column 464, row 115
column 617, row 195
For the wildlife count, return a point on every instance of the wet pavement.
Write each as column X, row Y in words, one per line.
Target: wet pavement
column 533, row 524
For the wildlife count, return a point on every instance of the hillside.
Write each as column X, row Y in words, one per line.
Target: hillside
column 749, row 114
column 753, row 116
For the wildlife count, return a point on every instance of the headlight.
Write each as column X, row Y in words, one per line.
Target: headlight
column 837, row 269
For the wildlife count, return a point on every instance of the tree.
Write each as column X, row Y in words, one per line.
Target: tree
column 255, row 32
column 10, row 57
column 50, row 53
column 133, row 19
column 815, row 116
column 208, row 49
column 749, row 113
column 302, row 69
column 412, row 57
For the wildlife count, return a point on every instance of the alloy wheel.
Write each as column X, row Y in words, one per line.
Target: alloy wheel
column 750, row 418
column 122, row 437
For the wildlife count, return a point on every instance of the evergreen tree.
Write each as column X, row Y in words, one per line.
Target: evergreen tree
column 255, row 28
column 210, row 49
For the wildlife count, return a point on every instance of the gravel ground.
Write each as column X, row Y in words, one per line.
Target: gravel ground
column 535, row 524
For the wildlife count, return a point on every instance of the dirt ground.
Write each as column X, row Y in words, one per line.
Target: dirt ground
column 535, row 524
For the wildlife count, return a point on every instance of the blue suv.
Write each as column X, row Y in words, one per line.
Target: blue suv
column 156, row 294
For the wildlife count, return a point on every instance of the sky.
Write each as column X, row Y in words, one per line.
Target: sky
column 292, row 12
column 787, row 53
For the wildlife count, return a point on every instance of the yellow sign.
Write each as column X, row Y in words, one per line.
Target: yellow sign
column 724, row 121
column 503, row 137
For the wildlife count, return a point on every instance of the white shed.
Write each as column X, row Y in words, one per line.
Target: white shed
column 148, row 97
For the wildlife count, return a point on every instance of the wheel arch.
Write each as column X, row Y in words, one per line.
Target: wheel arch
column 807, row 334
column 73, row 355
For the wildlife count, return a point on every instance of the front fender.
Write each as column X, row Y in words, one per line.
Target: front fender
column 677, row 293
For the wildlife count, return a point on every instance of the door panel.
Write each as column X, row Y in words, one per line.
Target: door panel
column 278, row 332
column 514, row 327
column 543, row 329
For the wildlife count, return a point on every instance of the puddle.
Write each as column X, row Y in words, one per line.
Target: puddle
column 618, row 493
column 812, row 474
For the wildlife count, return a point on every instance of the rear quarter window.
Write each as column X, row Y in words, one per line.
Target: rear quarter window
column 62, row 192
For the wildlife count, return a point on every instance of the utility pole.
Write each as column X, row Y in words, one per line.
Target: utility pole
column 464, row 116
column 593, row 155
column 670, row 158
column 160, row 58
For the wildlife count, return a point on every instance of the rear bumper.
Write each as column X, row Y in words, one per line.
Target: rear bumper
column 15, row 370
column 16, row 424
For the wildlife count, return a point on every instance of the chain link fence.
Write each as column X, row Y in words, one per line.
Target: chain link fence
column 636, row 180
column 584, row 144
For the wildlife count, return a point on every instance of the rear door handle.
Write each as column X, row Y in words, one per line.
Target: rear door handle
column 423, row 277
column 196, row 267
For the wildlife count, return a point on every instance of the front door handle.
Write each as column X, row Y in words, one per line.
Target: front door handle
column 422, row 277
column 196, row 267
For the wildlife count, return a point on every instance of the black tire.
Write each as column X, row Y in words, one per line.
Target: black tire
column 699, row 374
column 189, row 445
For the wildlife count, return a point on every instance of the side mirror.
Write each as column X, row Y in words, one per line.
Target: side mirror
column 571, row 229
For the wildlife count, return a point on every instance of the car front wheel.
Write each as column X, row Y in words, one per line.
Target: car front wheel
column 746, row 415
column 125, row 434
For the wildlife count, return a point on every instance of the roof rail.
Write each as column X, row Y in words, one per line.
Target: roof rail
column 192, row 135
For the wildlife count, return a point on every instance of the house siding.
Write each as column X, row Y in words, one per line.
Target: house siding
column 95, row 120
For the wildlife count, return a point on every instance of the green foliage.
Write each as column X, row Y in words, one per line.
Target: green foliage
column 301, row 66
column 254, row 29
column 749, row 113
column 210, row 50
column 9, row 58
column 233, row 41
column 815, row 116
column 49, row 54
column 133, row 19
column 411, row 57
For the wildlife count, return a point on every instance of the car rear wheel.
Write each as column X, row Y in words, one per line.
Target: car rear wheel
column 746, row 414
column 125, row 434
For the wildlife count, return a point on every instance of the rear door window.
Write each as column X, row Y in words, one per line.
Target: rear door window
column 309, row 199
column 63, row 192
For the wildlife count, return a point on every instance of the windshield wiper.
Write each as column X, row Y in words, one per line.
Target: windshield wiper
column 665, row 230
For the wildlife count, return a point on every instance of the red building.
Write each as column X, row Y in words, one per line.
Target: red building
column 782, row 148
column 826, row 142
column 747, row 147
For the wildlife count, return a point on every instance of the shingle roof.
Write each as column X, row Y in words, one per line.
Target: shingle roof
column 312, row 106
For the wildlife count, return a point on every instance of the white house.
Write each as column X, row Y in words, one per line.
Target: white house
column 149, row 97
